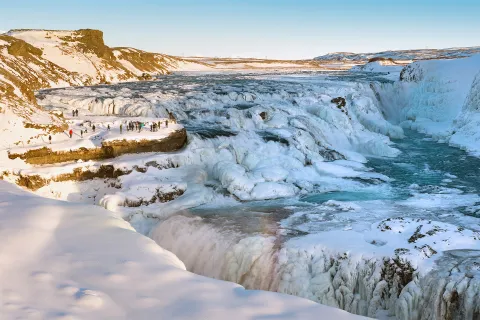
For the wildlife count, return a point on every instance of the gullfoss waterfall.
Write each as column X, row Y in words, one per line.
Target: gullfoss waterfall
column 303, row 184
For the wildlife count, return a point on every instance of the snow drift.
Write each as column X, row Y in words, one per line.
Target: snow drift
column 84, row 262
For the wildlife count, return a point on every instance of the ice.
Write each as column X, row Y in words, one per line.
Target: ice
column 282, row 138
column 273, row 190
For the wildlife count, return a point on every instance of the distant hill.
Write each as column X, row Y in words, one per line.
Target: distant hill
column 402, row 55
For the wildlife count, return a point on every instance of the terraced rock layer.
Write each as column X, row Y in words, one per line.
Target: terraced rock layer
column 108, row 150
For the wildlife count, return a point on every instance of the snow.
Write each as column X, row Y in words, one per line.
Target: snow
column 441, row 100
column 62, row 141
column 84, row 262
column 387, row 69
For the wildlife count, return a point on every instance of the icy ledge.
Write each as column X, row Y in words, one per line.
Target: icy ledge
column 60, row 260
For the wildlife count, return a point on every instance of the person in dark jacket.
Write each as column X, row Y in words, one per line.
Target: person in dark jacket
column 50, row 139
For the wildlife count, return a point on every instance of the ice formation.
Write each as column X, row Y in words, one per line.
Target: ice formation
column 262, row 139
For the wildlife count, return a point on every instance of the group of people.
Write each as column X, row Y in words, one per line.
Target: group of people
column 131, row 125
column 138, row 126
column 135, row 125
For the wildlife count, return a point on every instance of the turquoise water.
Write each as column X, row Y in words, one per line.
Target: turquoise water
column 423, row 162
column 424, row 167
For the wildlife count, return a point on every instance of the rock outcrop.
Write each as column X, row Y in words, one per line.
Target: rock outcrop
column 110, row 149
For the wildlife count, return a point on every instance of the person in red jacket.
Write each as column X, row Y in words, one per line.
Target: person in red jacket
column 71, row 133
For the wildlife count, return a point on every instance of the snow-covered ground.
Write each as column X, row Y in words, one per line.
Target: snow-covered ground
column 107, row 129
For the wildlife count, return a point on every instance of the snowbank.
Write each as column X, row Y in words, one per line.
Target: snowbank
column 441, row 98
column 66, row 261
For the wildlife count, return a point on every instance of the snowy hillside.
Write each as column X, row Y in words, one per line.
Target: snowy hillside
column 84, row 52
column 401, row 55
column 23, row 70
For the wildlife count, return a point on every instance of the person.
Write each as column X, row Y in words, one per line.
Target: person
column 50, row 139
column 172, row 117
column 151, row 127
column 76, row 111
column 154, row 127
column 81, row 133
column 159, row 123
column 93, row 128
column 166, row 123
column 121, row 127
column 73, row 113
column 70, row 133
column 108, row 127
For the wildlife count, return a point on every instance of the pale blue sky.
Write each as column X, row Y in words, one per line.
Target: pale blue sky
column 273, row 28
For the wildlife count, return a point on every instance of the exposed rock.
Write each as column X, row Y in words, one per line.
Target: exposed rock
column 108, row 150
column 158, row 197
column 411, row 73
column 175, row 141
column 20, row 48
column 145, row 77
column 340, row 102
column 35, row 182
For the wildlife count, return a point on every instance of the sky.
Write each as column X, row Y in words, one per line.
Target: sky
column 282, row 29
